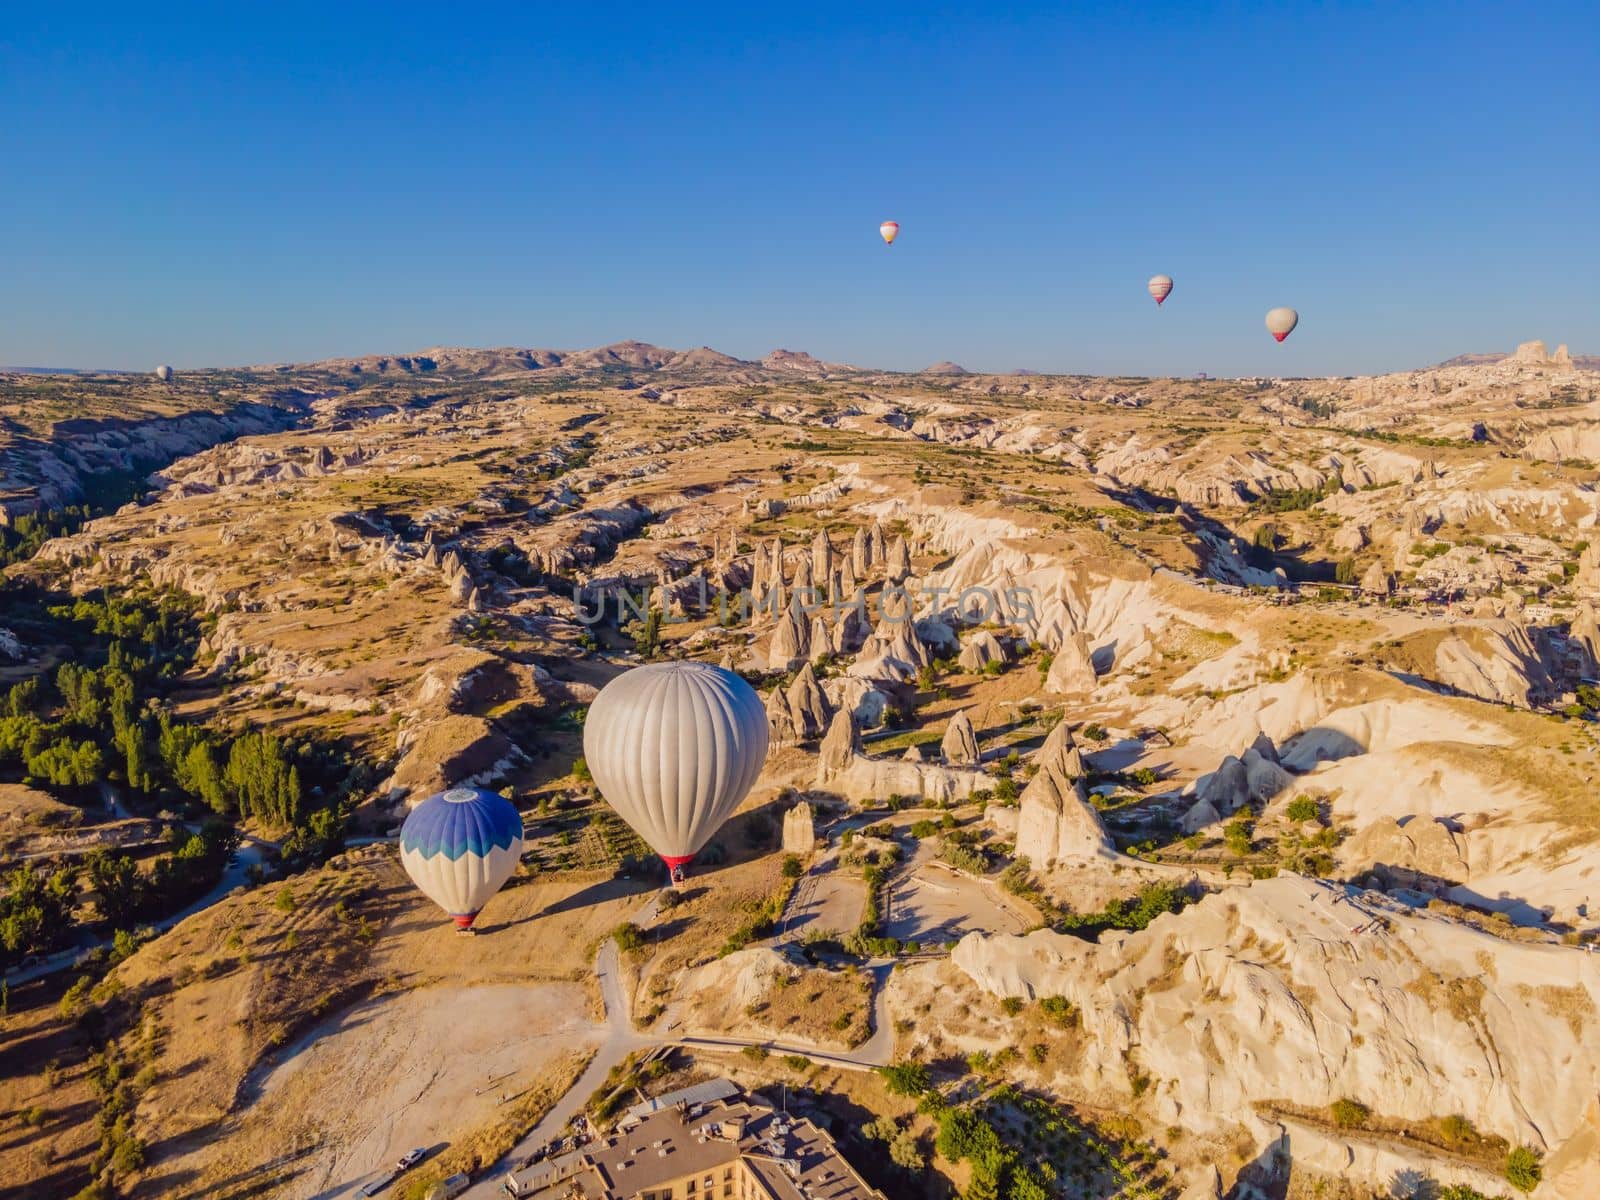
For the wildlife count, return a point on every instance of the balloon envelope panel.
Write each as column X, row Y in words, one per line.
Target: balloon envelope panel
column 460, row 846
column 674, row 748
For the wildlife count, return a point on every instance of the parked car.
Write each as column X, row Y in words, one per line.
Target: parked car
column 411, row 1158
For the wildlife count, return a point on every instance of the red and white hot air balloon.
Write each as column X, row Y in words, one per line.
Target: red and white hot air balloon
column 890, row 230
column 674, row 748
column 1160, row 287
column 1281, row 322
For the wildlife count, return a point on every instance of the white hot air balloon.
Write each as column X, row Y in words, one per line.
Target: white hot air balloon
column 1160, row 287
column 674, row 747
column 164, row 373
column 889, row 230
column 459, row 847
column 1281, row 322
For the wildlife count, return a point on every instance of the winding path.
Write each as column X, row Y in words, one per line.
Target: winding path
column 622, row 1039
column 251, row 852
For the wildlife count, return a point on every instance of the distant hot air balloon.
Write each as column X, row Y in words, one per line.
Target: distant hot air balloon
column 459, row 847
column 1281, row 322
column 1160, row 287
column 674, row 748
column 890, row 230
column 164, row 373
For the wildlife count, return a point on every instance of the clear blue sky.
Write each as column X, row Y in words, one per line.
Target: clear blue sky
column 218, row 185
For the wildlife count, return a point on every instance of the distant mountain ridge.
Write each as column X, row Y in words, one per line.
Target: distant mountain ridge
column 1584, row 362
column 630, row 354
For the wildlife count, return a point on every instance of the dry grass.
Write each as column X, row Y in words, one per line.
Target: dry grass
column 825, row 1007
column 1461, row 998
column 1572, row 1004
column 488, row 1145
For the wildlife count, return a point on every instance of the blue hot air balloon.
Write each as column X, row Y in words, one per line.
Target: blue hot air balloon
column 459, row 847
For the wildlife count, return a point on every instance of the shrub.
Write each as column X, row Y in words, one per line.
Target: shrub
column 792, row 869
column 1303, row 808
column 1060, row 1010
column 1349, row 1114
column 1456, row 1129
column 629, row 937
column 1011, row 1005
column 755, row 1053
column 1524, row 1168
column 905, row 1078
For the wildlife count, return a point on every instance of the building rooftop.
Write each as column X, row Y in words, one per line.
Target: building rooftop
column 784, row 1157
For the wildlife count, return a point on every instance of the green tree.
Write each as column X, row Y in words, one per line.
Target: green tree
column 67, row 763
column 118, row 886
column 905, row 1078
column 906, row 1152
column 647, row 634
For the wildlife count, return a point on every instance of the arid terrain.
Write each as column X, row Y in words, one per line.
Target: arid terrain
column 1202, row 767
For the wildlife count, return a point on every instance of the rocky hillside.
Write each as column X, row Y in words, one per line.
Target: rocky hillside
column 1335, row 640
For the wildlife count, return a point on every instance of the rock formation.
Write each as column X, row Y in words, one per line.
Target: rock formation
column 893, row 651
column 1377, row 581
column 839, row 746
column 845, row 771
column 1584, row 636
column 1072, row 670
column 821, row 558
column 1227, row 789
column 810, row 706
column 877, row 548
column 1417, row 851
column 799, row 830
column 1304, row 993
column 791, row 641
column 960, row 744
column 1057, row 823
column 898, row 568
column 981, row 649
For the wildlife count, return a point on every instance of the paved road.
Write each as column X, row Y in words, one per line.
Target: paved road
column 621, row 1040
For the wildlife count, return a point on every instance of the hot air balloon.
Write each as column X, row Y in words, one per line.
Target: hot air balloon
column 890, row 230
column 1160, row 287
column 164, row 373
column 1281, row 322
column 674, row 748
column 459, row 847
